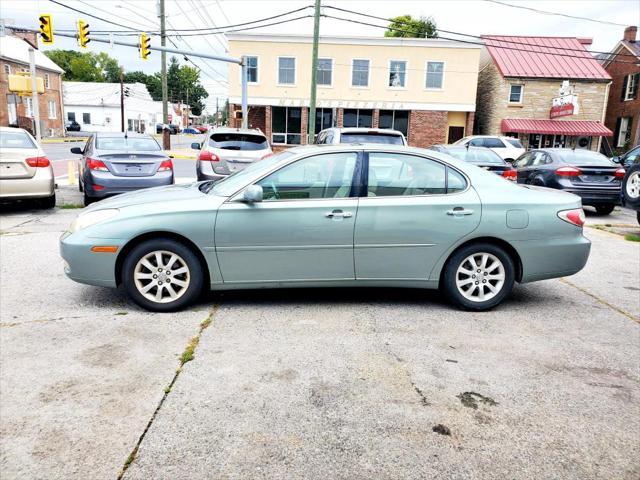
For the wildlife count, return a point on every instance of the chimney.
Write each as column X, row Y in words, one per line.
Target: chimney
column 30, row 37
column 630, row 34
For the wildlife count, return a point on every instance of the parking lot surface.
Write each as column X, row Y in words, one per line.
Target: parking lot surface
column 331, row 383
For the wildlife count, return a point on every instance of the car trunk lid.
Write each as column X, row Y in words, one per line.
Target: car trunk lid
column 596, row 175
column 13, row 163
column 133, row 164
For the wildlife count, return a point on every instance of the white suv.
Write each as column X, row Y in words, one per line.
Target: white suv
column 336, row 135
column 508, row 148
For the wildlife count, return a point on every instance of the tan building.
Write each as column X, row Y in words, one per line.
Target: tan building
column 546, row 91
column 425, row 88
column 18, row 111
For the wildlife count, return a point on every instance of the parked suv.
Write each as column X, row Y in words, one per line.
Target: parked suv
column 508, row 148
column 631, row 186
column 228, row 150
column 360, row 135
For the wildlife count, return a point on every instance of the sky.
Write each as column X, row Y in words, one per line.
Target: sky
column 474, row 17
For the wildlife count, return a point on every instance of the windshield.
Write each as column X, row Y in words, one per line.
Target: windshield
column 238, row 141
column 141, row 144
column 15, row 140
column 235, row 181
column 584, row 157
column 476, row 155
column 387, row 139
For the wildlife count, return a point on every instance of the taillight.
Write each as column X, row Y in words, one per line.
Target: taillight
column 568, row 171
column 38, row 162
column 619, row 173
column 98, row 165
column 511, row 175
column 207, row 156
column 576, row 216
column 165, row 166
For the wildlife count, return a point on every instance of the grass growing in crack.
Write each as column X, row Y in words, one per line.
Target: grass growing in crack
column 68, row 206
column 632, row 237
column 187, row 355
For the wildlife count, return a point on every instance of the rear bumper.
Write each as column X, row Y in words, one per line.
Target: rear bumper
column 596, row 196
column 114, row 185
column 41, row 185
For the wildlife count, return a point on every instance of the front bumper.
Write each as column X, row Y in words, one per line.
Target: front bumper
column 84, row 266
column 114, row 185
column 41, row 185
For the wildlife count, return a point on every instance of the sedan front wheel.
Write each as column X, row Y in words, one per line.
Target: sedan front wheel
column 479, row 276
column 162, row 275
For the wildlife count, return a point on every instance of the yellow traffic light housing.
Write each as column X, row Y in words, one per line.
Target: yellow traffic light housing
column 83, row 33
column 46, row 29
column 145, row 46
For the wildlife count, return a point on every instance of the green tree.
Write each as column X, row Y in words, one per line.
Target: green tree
column 86, row 66
column 153, row 82
column 183, row 83
column 409, row 27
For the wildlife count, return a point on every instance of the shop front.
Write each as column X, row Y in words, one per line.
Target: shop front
column 534, row 133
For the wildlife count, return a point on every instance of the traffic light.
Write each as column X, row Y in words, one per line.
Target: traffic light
column 46, row 29
column 145, row 46
column 83, row 33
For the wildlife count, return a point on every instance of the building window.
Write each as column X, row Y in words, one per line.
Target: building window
column 395, row 119
column 624, row 131
column 7, row 69
column 286, row 70
column 360, row 73
column 286, row 125
column 29, row 107
column 325, row 72
column 630, row 87
column 52, row 109
column 86, row 118
column 252, row 69
column 515, row 93
column 354, row 117
column 397, row 74
column 324, row 119
column 47, row 81
column 71, row 116
column 435, row 75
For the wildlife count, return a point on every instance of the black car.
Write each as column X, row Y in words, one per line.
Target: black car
column 481, row 157
column 72, row 126
column 115, row 163
column 590, row 175
column 628, row 158
column 630, row 195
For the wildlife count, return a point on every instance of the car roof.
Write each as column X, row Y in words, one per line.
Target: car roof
column 387, row 131
column 12, row 129
column 121, row 135
column 252, row 131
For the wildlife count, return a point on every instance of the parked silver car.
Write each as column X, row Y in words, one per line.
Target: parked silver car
column 25, row 171
column 337, row 135
column 228, row 150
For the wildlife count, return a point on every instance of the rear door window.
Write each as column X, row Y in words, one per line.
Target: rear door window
column 493, row 143
column 238, row 141
column 514, row 142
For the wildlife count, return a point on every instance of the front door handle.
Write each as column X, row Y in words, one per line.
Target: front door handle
column 338, row 214
column 459, row 211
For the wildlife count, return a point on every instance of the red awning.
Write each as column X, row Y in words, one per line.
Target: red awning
column 556, row 127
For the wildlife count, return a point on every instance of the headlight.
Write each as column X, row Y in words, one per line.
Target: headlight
column 85, row 220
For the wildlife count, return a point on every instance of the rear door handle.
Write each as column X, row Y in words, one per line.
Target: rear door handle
column 459, row 211
column 338, row 214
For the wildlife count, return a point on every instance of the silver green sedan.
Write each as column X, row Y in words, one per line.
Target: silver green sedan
column 347, row 215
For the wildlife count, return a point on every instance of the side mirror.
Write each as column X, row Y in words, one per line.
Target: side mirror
column 252, row 194
column 195, row 146
column 77, row 150
column 617, row 160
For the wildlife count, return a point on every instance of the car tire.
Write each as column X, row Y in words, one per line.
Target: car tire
column 143, row 275
column 88, row 200
column 48, row 202
column 469, row 289
column 538, row 182
column 631, row 187
column 605, row 209
column 80, row 187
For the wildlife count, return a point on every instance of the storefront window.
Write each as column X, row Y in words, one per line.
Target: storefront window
column 354, row 117
column 324, row 119
column 395, row 119
column 286, row 124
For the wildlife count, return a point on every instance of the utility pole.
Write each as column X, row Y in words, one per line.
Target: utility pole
column 121, row 101
column 188, row 107
column 34, row 94
column 245, row 108
column 216, row 120
column 166, row 139
column 311, row 121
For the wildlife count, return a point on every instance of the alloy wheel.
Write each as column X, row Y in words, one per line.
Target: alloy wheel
column 633, row 185
column 480, row 277
column 161, row 276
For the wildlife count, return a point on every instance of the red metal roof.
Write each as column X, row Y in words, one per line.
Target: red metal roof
column 543, row 57
column 556, row 127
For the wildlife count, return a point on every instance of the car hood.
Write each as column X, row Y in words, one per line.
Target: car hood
column 171, row 194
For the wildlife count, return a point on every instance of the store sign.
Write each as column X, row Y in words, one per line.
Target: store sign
column 566, row 103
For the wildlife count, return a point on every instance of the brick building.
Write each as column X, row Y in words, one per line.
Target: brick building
column 546, row 91
column 623, row 108
column 18, row 111
column 425, row 88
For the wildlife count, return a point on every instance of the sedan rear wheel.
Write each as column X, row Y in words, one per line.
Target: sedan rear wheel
column 479, row 276
column 162, row 275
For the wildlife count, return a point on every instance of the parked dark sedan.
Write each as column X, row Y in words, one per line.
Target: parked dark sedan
column 590, row 175
column 115, row 163
column 72, row 126
column 481, row 157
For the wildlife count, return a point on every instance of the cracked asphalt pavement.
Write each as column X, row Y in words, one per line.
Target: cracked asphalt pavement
column 331, row 383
